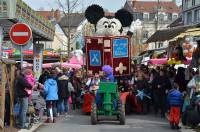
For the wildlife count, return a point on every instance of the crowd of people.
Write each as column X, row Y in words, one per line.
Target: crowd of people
column 52, row 94
column 158, row 89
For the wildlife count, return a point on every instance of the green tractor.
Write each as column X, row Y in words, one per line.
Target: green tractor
column 110, row 104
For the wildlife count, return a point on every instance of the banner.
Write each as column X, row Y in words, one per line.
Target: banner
column 38, row 59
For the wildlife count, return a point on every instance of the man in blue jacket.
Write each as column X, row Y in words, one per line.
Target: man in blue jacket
column 175, row 101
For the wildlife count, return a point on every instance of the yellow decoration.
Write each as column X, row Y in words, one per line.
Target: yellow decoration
column 172, row 61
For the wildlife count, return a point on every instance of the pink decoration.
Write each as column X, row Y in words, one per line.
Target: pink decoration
column 163, row 61
column 74, row 60
column 68, row 65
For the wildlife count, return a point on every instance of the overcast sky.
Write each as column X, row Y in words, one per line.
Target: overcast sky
column 111, row 5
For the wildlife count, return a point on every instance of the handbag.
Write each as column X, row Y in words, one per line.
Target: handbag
column 31, row 109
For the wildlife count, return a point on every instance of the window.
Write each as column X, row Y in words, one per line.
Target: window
column 193, row 2
column 197, row 2
column 189, row 17
column 140, row 16
column 174, row 17
column 196, row 16
column 152, row 16
column 146, row 16
column 160, row 45
column 161, row 17
column 170, row 16
column 146, row 34
column 188, row 3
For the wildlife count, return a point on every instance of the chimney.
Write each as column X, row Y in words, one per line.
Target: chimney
column 57, row 14
column 133, row 2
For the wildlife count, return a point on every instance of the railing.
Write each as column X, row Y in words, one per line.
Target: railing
column 24, row 13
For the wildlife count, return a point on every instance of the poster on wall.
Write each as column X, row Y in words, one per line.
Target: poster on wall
column 38, row 59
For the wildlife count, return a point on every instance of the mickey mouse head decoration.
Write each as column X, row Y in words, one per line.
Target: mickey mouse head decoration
column 109, row 26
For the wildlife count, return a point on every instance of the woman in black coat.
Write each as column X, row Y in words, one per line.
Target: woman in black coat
column 160, row 87
column 63, row 94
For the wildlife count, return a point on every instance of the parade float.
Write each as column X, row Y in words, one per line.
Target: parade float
column 110, row 45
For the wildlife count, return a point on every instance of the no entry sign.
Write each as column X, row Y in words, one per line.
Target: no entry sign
column 20, row 34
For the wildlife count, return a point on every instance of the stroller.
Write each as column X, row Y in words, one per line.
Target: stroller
column 39, row 106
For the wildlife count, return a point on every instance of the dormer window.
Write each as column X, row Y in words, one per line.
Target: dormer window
column 174, row 16
column 146, row 16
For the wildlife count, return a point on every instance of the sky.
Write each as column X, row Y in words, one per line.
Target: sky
column 111, row 5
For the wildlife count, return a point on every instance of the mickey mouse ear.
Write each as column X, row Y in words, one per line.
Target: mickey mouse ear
column 94, row 13
column 124, row 16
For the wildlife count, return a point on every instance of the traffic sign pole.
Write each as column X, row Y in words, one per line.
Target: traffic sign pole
column 20, row 34
column 22, row 56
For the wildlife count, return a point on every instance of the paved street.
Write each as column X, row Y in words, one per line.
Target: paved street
column 79, row 122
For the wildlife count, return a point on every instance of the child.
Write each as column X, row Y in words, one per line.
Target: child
column 28, row 73
column 175, row 101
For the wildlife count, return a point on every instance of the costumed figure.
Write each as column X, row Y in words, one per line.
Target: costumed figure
column 109, row 25
column 108, row 73
column 108, row 77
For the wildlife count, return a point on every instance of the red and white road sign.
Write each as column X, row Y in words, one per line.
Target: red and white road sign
column 20, row 34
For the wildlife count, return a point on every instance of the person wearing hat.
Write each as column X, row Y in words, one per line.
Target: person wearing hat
column 63, row 94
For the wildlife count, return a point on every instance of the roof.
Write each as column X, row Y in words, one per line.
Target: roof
column 167, row 34
column 177, row 22
column 49, row 14
column 76, row 18
column 72, row 20
column 151, row 6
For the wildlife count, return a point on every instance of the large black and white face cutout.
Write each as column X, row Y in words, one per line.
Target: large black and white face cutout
column 108, row 27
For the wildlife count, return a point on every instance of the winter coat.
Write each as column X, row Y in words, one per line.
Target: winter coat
column 164, row 83
column 30, row 79
column 175, row 98
column 77, row 84
column 63, row 90
column 180, row 80
column 43, row 77
column 142, row 84
column 21, row 85
column 51, row 89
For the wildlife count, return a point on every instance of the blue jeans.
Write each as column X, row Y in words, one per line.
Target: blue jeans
column 63, row 105
column 23, row 111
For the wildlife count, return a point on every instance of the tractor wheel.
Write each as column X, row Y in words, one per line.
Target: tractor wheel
column 94, row 113
column 121, row 113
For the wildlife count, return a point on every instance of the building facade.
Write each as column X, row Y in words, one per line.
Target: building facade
column 191, row 12
column 148, row 11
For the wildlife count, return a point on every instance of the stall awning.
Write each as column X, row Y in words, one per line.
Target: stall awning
column 168, row 34
column 189, row 32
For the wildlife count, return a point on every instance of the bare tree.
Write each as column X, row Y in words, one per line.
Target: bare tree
column 68, row 8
